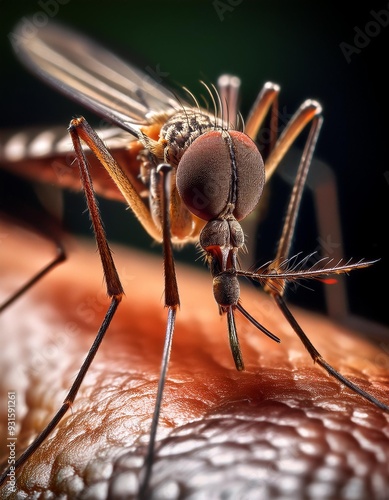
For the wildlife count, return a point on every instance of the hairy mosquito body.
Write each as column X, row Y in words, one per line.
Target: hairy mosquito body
column 176, row 135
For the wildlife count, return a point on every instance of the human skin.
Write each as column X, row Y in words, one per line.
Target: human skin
column 282, row 428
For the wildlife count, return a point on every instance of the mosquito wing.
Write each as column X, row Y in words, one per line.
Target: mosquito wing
column 46, row 155
column 98, row 80
column 92, row 75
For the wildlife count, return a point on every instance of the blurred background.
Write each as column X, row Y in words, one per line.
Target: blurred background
column 335, row 54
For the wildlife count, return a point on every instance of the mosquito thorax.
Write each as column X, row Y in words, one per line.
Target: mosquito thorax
column 182, row 129
column 221, row 173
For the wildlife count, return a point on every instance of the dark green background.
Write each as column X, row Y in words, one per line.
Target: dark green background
column 294, row 44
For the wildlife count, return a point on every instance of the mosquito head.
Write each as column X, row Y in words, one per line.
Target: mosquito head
column 221, row 174
column 220, row 178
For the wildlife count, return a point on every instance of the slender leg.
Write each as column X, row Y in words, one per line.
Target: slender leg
column 276, row 274
column 172, row 302
column 305, row 114
column 59, row 257
column 276, row 285
column 228, row 89
column 86, row 133
column 80, row 131
column 317, row 357
column 298, row 188
column 114, row 290
column 70, row 397
column 267, row 99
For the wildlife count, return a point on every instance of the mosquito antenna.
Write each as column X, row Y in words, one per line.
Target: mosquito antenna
column 268, row 272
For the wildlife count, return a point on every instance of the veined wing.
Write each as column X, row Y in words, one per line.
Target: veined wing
column 92, row 75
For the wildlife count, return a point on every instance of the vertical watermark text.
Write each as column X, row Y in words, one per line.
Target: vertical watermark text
column 11, row 440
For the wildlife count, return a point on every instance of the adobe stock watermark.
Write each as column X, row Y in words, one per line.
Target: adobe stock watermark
column 225, row 6
column 11, row 440
column 28, row 27
column 363, row 36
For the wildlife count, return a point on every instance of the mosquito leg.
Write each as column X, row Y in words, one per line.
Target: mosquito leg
column 307, row 112
column 148, row 463
column 228, row 89
column 171, row 289
column 86, row 133
column 80, row 130
column 69, row 399
column 172, row 302
column 114, row 287
column 38, row 221
column 114, row 290
column 60, row 257
column 268, row 100
column 317, row 358
column 298, row 188
column 276, row 287
column 268, row 97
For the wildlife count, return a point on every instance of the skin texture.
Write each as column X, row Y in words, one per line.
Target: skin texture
column 281, row 429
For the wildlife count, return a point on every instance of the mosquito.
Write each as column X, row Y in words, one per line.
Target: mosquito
column 190, row 174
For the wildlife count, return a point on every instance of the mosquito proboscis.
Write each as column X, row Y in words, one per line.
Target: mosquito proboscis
column 190, row 175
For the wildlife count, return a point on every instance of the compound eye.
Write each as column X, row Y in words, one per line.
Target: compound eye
column 219, row 169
